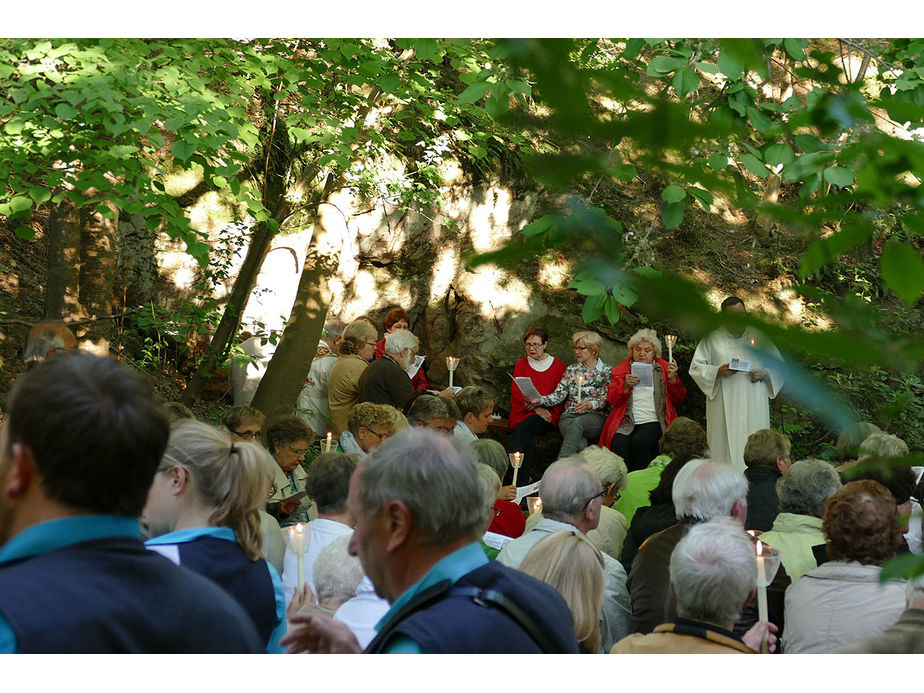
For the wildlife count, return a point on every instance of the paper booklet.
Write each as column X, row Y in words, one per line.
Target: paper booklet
column 526, row 387
column 737, row 364
column 523, row 491
column 644, row 373
column 418, row 362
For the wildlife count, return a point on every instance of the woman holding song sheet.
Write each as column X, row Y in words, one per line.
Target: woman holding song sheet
column 644, row 391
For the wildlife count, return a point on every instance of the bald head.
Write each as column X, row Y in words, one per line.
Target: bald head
column 565, row 489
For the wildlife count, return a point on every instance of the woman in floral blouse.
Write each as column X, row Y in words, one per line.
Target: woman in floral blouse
column 583, row 386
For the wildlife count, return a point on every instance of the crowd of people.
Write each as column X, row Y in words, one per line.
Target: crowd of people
column 128, row 526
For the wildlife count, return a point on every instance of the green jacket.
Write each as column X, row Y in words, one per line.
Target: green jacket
column 794, row 536
column 638, row 485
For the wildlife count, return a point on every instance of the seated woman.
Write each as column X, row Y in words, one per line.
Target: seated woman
column 203, row 512
column 386, row 380
column 398, row 319
column 684, row 437
column 571, row 564
column 356, row 350
column 369, row 425
column 288, row 439
column 583, row 388
column 508, row 518
column 843, row 600
column 243, row 421
column 641, row 415
column 491, row 542
column 526, row 420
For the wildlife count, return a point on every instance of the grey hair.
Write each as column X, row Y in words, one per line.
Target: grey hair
column 609, row 466
column 645, row 335
column 337, row 574
column 427, row 407
column 435, row 480
column 399, row 340
column 804, row 489
column 490, row 483
column 706, row 488
column 713, row 570
column 882, row 445
column 334, row 329
column 566, row 486
column 490, row 452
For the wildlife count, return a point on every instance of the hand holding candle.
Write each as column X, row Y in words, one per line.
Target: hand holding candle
column 451, row 363
column 516, row 459
column 768, row 562
column 297, row 538
column 670, row 340
column 580, row 384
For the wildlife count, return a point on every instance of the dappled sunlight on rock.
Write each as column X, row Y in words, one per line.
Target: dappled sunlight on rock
column 444, row 271
column 363, row 296
column 496, row 293
column 556, row 274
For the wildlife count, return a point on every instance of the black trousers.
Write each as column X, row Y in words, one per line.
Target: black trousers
column 524, row 440
column 638, row 448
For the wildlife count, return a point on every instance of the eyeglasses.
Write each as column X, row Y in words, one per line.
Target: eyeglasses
column 592, row 498
column 444, row 429
column 533, row 345
column 246, row 435
column 380, row 436
column 372, row 344
column 299, row 453
column 580, row 348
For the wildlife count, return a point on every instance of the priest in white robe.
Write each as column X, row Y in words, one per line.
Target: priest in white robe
column 737, row 402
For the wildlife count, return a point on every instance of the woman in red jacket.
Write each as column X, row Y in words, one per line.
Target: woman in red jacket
column 528, row 420
column 398, row 319
column 641, row 414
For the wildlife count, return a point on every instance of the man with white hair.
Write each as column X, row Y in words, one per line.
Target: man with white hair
column 572, row 497
column 703, row 489
column 419, row 510
column 712, row 575
column 386, row 380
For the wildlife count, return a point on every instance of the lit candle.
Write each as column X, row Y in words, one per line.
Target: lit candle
column 533, row 504
column 752, row 341
column 761, row 592
column 451, row 363
column 516, row 459
column 298, row 542
column 580, row 382
column 670, row 340
column 329, row 437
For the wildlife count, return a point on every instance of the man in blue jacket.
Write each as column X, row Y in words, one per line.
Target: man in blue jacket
column 419, row 512
column 79, row 448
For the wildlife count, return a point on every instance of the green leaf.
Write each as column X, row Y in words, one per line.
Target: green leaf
column 839, row 176
column 475, row 92
column 730, row 66
column 664, row 65
column 182, row 150
column 673, row 193
column 826, row 250
column 611, row 308
column 25, row 232
column 717, row 161
column 593, row 308
column 760, row 120
column 672, row 214
column 703, row 196
column 795, row 48
column 779, row 154
column 544, row 223
column 903, row 270
column 390, row 84
column 754, row 165
column 18, row 204
column 685, row 81
column 809, row 143
column 497, row 104
column 65, row 111
column 425, row 48
column 624, row 295
column 122, row 151
column 624, row 172
column 904, row 566
column 477, row 151
column 39, row 194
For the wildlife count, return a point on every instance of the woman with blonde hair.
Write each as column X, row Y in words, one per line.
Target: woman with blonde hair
column 571, row 564
column 641, row 412
column 583, row 389
column 357, row 349
column 203, row 512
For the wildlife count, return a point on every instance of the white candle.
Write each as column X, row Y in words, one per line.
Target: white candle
column 516, row 459
column 298, row 536
column 451, row 363
column 329, row 437
column 670, row 340
column 580, row 382
column 761, row 592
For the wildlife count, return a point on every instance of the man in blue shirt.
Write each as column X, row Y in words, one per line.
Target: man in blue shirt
column 419, row 511
column 78, row 451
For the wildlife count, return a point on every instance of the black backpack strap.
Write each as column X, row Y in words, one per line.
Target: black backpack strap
column 493, row 598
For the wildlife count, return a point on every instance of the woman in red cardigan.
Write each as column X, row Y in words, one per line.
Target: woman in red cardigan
column 641, row 414
column 528, row 420
column 398, row 319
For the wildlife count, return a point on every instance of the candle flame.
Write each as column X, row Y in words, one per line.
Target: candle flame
column 760, row 547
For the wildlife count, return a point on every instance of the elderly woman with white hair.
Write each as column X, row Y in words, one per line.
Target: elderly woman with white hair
column 386, row 381
column 641, row 414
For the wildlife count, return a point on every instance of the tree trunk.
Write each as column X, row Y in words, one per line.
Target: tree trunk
column 97, row 274
column 234, row 308
column 285, row 375
column 62, row 234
